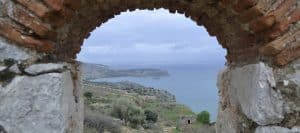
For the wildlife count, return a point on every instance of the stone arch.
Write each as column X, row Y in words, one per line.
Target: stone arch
column 261, row 38
column 248, row 29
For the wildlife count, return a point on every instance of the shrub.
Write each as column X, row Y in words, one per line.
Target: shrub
column 7, row 75
column 100, row 123
column 128, row 111
column 9, row 62
column 135, row 116
column 151, row 116
column 88, row 95
column 203, row 117
column 120, row 109
column 148, row 125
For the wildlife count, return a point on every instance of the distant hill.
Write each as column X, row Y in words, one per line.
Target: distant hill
column 96, row 71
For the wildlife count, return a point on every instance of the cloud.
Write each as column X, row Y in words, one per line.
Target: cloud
column 150, row 37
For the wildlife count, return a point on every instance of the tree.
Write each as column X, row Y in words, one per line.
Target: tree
column 151, row 116
column 88, row 95
column 203, row 117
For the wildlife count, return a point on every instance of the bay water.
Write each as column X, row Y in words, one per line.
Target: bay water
column 194, row 85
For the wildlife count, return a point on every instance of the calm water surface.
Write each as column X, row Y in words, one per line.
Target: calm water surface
column 193, row 85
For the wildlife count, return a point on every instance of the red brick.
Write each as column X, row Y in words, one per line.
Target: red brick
column 279, row 44
column 20, row 15
column 262, row 23
column 283, row 25
column 56, row 5
column 283, row 8
column 295, row 16
column 65, row 14
column 251, row 14
column 225, row 2
column 73, row 5
column 37, row 7
column 39, row 44
column 278, row 30
column 8, row 31
column 288, row 55
column 244, row 5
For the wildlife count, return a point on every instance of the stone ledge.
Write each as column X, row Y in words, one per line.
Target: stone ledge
column 37, row 69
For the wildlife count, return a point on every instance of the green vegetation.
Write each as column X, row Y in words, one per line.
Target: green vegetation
column 151, row 116
column 135, row 116
column 88, row 95
column 172, row 113
column 9, row 62
column 95, row 123
column 6, row 76
column 137, row 110
column 127, row 110
column 203, row 117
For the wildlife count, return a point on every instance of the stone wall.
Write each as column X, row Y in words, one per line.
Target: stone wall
column 36, row 96
column 258, row 98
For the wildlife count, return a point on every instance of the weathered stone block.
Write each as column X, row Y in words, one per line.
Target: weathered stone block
column 227, row 121
column 10, row 51
column 250, row 87
column 15, row 69
column 45, row 68
column 277, row 129
column 41, row 104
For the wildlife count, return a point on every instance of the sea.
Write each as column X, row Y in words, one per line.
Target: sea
column 194, row 85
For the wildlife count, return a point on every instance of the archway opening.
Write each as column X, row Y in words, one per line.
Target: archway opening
column 158, row 40
column 261, row 38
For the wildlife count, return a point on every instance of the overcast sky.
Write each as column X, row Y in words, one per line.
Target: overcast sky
column 151, row 37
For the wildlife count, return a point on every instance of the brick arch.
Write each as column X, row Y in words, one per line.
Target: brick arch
column 250, row 30
column 255, row 94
